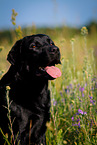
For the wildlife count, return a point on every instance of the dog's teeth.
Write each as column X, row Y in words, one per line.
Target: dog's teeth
column 40, row 68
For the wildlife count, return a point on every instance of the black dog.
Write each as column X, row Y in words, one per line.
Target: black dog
column 33, row 60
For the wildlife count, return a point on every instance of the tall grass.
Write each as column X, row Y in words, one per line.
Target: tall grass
column 73, row 96
column 73, row 107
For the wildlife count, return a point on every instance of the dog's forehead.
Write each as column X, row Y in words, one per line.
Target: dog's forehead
column 41, row 39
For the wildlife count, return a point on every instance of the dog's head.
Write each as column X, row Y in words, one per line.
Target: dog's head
column 36, row 52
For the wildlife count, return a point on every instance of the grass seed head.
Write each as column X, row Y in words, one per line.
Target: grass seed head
column 84, row 31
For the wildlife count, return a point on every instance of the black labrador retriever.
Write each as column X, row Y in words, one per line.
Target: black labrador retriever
column 33, row 60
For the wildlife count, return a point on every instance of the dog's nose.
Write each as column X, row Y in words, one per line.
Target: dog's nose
column 54, row 49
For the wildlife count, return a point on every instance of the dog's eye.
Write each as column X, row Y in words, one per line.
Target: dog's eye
column 33, row 46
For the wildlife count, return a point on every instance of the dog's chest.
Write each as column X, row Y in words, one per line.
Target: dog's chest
column 30, row 93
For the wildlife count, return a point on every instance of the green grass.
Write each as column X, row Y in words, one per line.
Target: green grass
column 74, row 94
column 73, row 109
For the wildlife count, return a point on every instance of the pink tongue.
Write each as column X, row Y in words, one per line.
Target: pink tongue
column 53, row 71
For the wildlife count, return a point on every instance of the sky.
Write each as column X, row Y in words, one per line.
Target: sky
column 48, row 13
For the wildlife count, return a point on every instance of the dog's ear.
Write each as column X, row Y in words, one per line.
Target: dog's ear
column 14, row 55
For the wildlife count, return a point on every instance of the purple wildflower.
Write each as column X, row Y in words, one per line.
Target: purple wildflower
column 80, row 111
column 94, row 79
column 92, row 101
column 54, row 103
column 81, row 89
column 70, row 85
column 72, row 118
column 61, row 93
column 67, row 90
column 79, row 99
column 82, row 94
column 85, row 113
column 90, row 97
column 96, row 85
column 92, row 88
column 79, row 124
column 76, row 124
column 78, row 85
column 78, row 120
column 77, row 113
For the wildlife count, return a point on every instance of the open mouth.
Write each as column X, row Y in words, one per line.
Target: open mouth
column 53, row 71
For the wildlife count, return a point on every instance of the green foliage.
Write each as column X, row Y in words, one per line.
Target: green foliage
column 17, row 29
column 1, row 48
column 13, row 17
column 10, row 140
column 19, row 32
column 84, row 31
column 73, row 107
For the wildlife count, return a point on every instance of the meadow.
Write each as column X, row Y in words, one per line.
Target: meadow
column 73, row 95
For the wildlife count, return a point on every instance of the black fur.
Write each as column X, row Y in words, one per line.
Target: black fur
column 29, row 88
